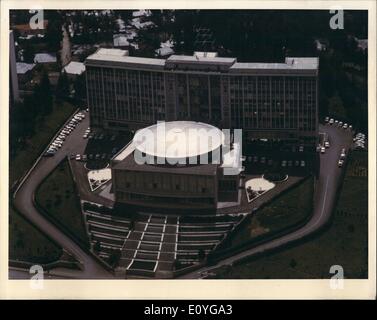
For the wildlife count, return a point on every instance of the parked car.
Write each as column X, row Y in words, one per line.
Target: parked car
column 84, row 157
column 301, row 149
column 345, row 126
column 284, row 163
column 78, row 157
column 327, row 119
column 302, row 163
column 72, row 156
column 340, row 123
column 340, row 163
column 49, row 154
column 323, row 149
column 327, row 144
column 331, row 121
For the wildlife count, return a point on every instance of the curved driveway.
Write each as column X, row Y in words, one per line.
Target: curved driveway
column 23, row 201
column 324, row 199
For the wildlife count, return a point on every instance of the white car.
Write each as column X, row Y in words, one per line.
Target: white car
column 327, row 144
column 327, row 119
column 302, row 163
column 331, row 121
column 345, row 126
column 78, row 157
column 323, row 149
column 340, row 163
column 340, row 123
column 301, row 149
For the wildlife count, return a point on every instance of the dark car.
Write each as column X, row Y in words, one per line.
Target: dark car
column 48, row 154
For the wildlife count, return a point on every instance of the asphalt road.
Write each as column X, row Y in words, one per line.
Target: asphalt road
column 325, row 195
column 324, row 199
column 23, row 201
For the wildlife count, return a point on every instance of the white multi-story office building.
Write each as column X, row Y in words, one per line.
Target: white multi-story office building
column 276, row 101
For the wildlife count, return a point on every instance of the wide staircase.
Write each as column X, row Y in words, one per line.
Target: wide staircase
column 150, row 248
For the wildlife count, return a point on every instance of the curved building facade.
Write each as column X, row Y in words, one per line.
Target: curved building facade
column 177, row 165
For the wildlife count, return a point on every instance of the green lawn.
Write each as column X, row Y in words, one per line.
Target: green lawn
column 343, row 243
column 58, row 197
column 25, row 241
column 284, row 211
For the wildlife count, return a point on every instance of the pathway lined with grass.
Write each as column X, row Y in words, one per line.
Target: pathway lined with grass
column 25, row 241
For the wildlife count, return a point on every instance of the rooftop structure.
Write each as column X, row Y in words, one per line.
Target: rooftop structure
column 178, row 139
column 120, row 40
column 23, row 68
column 74, row 68
column 45, row 58
column 208, row 61
column 165, row 51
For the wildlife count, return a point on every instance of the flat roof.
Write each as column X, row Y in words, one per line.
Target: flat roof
column 45, row 57
column 178, row 139
column 23, row 67
column 201, row 59
column 291, row 63
column 114, row 57
column 121, row 58
column 74, row 67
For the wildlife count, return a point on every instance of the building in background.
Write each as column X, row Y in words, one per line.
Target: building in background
column 13, row 79
column 274, row 101
column 74, row 69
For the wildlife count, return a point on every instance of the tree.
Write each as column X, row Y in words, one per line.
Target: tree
column 43, row 99
column 54, row 33
column 62, row 88
column 28, row 53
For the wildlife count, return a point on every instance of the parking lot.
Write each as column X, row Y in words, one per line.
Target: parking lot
column 359, row 139
column 100, row 148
